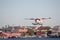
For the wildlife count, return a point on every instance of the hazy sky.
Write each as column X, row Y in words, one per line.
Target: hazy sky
column 14, row 11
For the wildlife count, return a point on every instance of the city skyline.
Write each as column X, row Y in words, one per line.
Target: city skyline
column 13, row 12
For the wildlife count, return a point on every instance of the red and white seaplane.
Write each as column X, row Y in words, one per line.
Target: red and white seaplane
column 38, row 21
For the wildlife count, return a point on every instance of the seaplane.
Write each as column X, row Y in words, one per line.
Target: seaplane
column 38, row 21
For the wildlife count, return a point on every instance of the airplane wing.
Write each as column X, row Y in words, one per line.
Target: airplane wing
column 46, row 18
column 30, row 18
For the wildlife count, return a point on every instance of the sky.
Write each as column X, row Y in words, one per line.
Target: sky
column 13, row 12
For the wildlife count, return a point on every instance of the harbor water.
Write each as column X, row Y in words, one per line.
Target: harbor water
column 30, row 39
